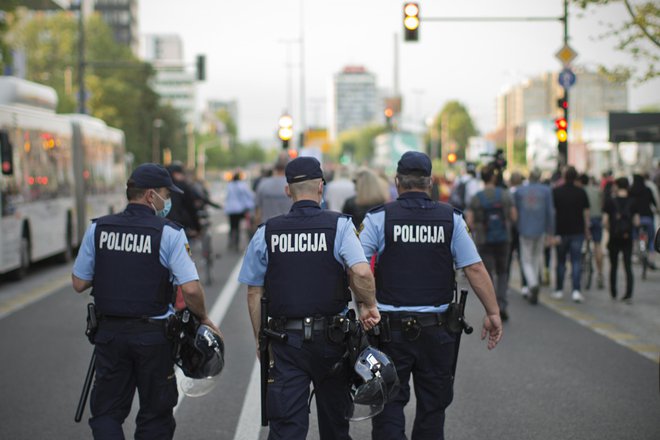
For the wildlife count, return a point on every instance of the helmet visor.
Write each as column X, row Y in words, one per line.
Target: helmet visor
column 197, row 387
column 368, row 400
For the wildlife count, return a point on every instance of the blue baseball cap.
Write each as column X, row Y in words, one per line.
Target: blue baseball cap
column 152, row 175
column 414, row 162
column 303, row 168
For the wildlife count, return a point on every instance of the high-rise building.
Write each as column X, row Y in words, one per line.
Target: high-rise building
column 172, row 81
column 122, row 17
column 354, row 100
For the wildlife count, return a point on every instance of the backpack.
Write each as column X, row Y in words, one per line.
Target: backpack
column 457, row 197
column 494, row 217
column 622, row 222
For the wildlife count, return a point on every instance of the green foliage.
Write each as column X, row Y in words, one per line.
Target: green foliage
column 459, row 126
column 241, row 155
column 116, row 81
column 639, row 36
column 359, row 142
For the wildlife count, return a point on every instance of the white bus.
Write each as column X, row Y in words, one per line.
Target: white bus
column 58, row 172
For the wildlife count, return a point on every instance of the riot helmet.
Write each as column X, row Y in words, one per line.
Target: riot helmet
column 200, row 357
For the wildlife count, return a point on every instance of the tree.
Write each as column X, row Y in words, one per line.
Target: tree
column 359, row 142
column 116, row 81
column 459, row 126
column 639, row 36
column 7, row 8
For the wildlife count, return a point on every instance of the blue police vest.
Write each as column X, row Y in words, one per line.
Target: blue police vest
column 416, row 267
column 129, row 279
column 303, row 277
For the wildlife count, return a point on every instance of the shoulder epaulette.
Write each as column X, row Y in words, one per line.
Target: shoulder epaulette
column 377, row 208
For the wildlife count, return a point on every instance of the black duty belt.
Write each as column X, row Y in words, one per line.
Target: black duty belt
column 336, row 326
column 280, row 324
column 142, row 319
column 403, row 320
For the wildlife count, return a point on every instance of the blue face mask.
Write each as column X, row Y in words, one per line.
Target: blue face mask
column 167, row 206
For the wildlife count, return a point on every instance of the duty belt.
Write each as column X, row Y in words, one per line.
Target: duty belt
column 143, row 319
column 403, row 320
column 338, row 324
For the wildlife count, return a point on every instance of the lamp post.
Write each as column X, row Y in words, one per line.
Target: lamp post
column 77, row 5
column 155, row 146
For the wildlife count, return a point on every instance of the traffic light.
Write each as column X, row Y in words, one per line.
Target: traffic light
column 388, row 117
column 6, row 154
column 562, row 103
column 410, row 21
column 285, row 132
column 452, row 157
column 201, row 67
column 562, row 129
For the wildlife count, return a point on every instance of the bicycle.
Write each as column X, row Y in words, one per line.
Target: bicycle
column 587, row 265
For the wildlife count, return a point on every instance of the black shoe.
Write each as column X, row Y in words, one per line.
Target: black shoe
column 534, row 295
column 504, row 315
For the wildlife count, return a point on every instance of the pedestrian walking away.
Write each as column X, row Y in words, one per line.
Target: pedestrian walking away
column 303, row 263
column 131, row 260
column 418, row 242
column 536, row 218
column 490, row 217
column 572, row 226
column 620, row 217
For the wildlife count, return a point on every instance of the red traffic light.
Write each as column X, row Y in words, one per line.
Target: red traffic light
column 562, row 103
column 561, row 123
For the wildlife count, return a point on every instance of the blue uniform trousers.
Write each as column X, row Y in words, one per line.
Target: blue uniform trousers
column 132, row 355
column 298, row 363
column 429, row 359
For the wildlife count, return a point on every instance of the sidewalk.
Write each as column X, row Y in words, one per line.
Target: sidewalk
column 636, row 325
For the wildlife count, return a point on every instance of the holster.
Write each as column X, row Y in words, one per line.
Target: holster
column 410, row 328
column 92, row 323
column 454, row 318
column 381, row 333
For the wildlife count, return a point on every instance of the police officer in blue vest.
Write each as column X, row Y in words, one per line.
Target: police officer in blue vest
column 418, row 243
column 304, row 262
column 131, row 260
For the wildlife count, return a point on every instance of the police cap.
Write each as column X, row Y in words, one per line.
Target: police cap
column 414, row 162
column 304, row 168
column 152, row 175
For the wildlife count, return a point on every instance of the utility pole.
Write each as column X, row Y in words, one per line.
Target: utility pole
column 81, row 57
column 563, row 146
column 302, row 119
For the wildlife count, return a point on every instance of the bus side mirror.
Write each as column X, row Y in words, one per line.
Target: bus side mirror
column 6, row 154
column 657, row 240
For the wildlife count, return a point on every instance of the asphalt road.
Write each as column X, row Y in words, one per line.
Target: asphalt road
column 550, row 378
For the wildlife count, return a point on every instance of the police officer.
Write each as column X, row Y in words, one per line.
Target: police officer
column 130, row 260
column 418, row 243
column 304, row 262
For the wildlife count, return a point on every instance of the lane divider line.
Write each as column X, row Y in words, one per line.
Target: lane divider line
column 217, row 313
column 249, row 426
column 610, row 331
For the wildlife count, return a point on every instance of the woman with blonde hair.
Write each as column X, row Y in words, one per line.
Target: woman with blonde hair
column 369, row 193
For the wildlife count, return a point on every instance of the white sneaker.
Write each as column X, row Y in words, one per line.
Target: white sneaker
column 577, row 296
column 557, row 294
column 524, row 292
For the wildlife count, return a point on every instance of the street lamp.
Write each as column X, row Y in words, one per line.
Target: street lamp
column 155, row 146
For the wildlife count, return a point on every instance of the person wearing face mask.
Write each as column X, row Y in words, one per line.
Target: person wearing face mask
column 131, row 261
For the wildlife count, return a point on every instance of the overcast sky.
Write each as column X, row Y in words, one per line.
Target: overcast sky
column 470, row 62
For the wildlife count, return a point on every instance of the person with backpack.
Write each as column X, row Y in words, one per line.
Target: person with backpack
column 490, row 216
column 465, row 187
column 620, row 215
column 572, row 222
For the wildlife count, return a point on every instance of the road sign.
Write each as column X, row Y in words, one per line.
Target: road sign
column 566, row 78
column 566, row 54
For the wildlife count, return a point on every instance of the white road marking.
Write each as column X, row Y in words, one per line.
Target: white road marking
column 20, row 300
column 249, row 426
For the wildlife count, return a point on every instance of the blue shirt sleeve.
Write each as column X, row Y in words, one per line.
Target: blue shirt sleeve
column 174, row 255
column 348, row 250
column 462, row 246
column 83, row 267
column 253, row 270
column 372, row 235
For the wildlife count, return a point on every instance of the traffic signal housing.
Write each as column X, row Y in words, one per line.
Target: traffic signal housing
column 285, row 131
column 562, row 129
column 388, row 117
column 410, row 21
column 452, row 157
column 562, row 103
column 201, row 67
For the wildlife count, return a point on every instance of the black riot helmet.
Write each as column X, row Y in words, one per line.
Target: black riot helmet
column 200, row 356
column 375, row 381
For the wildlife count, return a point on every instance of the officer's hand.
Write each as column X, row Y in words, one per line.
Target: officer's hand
column 493, row 328
column 369, row 316
column 207, row 321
